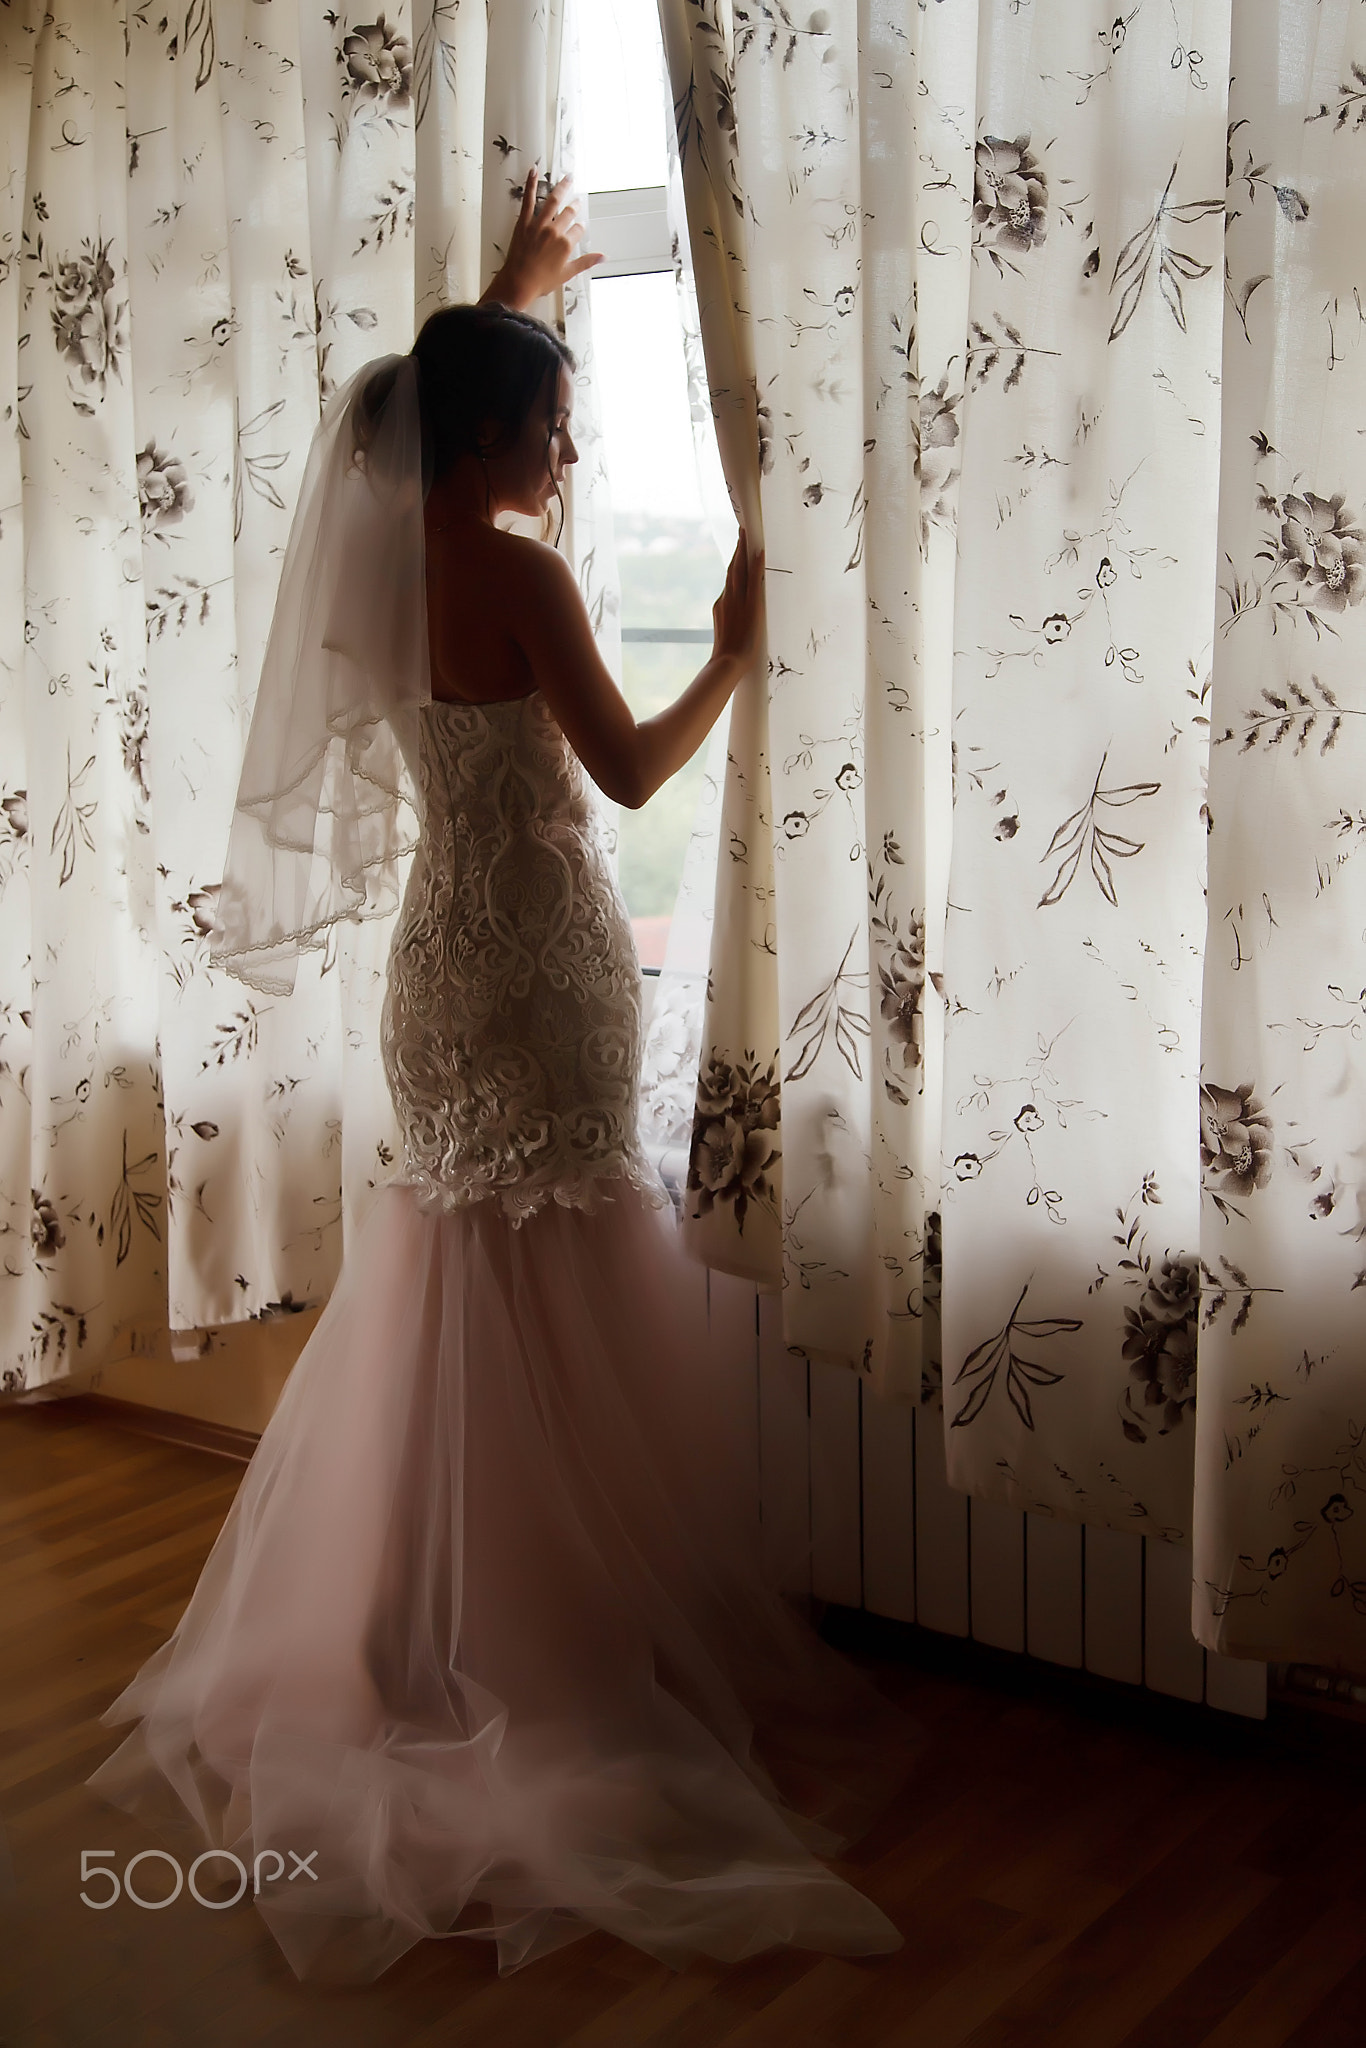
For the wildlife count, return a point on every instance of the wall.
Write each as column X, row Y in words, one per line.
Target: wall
column 230, row 1377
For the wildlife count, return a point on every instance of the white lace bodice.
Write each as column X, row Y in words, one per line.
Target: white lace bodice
column 512, row 1019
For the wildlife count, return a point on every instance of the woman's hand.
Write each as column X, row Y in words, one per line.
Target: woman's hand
column 629, row 761
column 737, row 615
column 541, row 255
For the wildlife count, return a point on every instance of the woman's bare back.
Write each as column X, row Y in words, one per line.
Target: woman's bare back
column 476, row 586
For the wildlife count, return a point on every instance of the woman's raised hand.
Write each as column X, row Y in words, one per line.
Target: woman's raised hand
column 542, row 254
column 737, row 615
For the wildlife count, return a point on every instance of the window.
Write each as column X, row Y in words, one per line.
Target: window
column 670, row 567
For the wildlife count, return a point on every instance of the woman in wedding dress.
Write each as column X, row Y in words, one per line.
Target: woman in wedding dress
column 484, row 1647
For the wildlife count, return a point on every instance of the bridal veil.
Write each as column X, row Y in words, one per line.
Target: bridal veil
column 327, row 806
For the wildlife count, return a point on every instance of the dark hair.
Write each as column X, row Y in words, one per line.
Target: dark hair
column 476, row 363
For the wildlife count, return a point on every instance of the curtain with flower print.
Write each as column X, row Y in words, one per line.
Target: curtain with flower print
column 1017, row 284
column 1280, row 1494
column 706, row 218
column 212, row 216
column 843, row 278
column 1084, row 617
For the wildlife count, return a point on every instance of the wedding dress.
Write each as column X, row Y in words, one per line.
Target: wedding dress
column 485, row 1634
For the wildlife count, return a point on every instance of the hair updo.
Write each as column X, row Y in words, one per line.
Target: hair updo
column 475, row 364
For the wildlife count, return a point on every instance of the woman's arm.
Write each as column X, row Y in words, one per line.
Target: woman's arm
column 541, row 255
column 630, row 761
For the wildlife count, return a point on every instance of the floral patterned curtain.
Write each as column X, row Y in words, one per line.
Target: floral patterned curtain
column 831, row 288
column 1057, row 358
column 1280, row 1497
column 706, row 219
column 1084, row 616
column 211, row 217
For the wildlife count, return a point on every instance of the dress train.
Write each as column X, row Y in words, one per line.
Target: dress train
column 485, row 1634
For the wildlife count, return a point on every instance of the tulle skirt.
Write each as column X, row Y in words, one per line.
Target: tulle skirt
column 485, row 1638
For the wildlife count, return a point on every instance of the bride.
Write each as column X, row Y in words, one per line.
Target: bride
column 484, row 1647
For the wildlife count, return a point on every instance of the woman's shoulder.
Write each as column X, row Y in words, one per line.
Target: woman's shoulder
column 534, row 559
column 509, row 557
column 539, row 585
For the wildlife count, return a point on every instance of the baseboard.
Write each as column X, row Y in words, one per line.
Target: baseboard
column 1296, row 1721
column 190, row 1431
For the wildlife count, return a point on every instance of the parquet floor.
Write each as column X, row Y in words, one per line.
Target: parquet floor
column 1078, row 1869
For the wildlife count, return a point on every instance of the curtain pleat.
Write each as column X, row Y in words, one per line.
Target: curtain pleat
column 1083, row 620
column 1280, row 1494
column 846, row 277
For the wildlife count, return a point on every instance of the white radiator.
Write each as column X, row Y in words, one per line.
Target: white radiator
column 855, row 1489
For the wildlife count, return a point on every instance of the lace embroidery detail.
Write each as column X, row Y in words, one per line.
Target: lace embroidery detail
column 511, row 1032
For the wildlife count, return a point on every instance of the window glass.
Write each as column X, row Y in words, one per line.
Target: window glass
column 670, row 570
column 652, row 842
column 621, row 81
column 643, row 393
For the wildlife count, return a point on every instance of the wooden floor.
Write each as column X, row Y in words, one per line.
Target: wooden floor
column 1078, row 1867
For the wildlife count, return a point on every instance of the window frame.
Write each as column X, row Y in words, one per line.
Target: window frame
column 631, row 227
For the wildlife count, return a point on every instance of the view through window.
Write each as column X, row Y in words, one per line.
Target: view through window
column 669, row 565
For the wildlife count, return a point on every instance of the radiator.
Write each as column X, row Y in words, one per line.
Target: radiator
column 855, row 1509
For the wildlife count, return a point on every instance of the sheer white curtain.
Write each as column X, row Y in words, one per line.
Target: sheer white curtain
column 209, row 220
column 1053, row 347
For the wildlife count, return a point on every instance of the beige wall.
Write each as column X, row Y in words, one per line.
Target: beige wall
column 234, row 1381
